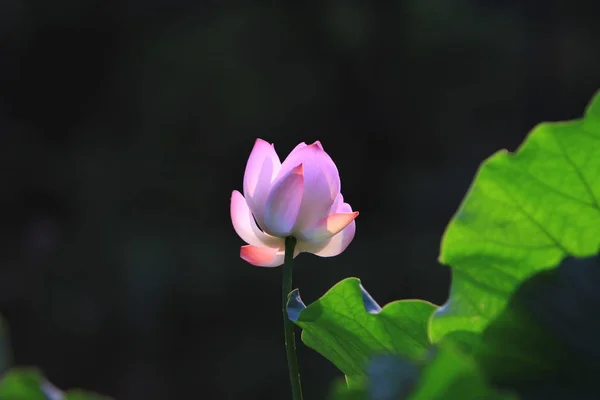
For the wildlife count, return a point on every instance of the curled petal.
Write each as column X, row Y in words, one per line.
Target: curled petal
column 321, row 183
column 329, row 226
column 262, row 256
column 245, row 226
column 338, row 243
column 262, row 168
column 283, row 203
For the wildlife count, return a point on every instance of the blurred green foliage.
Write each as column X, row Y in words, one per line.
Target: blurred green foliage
column 30, row 384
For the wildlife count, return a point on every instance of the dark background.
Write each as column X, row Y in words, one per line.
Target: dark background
column 125, row 125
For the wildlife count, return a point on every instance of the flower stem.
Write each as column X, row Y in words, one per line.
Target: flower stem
column 288, row 325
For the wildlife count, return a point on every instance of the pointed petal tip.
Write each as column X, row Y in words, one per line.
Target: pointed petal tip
column 339, row 221
column 299, row 170
column 261, row 142
column 318, row 144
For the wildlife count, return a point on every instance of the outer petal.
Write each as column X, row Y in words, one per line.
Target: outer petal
column 262, row 168
column 321, row 183
column 245, row 226
column 329, row 227
column 339, row 242
column 283, row 203
column 262, row 256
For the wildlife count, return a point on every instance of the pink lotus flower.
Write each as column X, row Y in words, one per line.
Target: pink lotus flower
column 299, row 197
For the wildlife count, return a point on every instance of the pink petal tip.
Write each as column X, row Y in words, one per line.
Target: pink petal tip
column 330, row 226
column 261, row 256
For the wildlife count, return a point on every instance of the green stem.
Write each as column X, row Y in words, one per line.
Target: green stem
column 288, row 325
